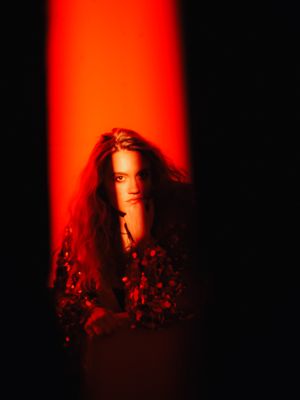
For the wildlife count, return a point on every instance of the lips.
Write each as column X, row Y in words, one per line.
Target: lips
column 135, row 200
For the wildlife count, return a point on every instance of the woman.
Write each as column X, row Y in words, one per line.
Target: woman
column 127, row 255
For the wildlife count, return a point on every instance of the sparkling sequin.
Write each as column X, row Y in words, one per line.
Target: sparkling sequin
column 152, row 284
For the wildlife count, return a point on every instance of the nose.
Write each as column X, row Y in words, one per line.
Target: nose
column 134, row 187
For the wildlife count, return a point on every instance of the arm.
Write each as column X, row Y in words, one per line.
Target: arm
column 82, row 310
column 161, row 282
column 157, row 281
column 73, row 303
column 153, row 286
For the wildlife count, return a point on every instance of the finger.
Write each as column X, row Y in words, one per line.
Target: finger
column 91, row 324
column 106, row 325
column 103, row 328
column 87, row 325
column 98, row 330
column 89, row 330
column 91, row 319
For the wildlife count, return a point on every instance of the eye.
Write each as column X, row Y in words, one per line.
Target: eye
column 144, row 174
column 119, row 178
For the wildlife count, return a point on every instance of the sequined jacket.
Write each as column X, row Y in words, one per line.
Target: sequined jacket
column 158, row 283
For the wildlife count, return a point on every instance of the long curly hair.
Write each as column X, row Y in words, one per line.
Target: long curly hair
column 92, row 218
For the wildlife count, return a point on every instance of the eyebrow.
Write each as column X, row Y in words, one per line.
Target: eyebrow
column 119, row 173
column 124, row 173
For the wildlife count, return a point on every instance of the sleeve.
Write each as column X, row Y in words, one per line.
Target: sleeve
column 73, row 303
column 156, row 282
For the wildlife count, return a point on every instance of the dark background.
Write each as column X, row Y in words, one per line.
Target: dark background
column 243, row 89
column 243, row 83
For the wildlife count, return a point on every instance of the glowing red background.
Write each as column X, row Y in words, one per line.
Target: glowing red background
column 111, row 64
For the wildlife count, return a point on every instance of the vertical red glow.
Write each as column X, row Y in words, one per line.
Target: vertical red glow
column 111, row 64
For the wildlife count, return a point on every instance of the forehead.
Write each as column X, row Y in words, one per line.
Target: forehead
column 128, row 161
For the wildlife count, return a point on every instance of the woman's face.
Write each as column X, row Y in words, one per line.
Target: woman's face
column 127, row 179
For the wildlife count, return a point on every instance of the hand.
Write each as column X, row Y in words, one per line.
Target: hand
column 103, row 321
column 139, row 220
